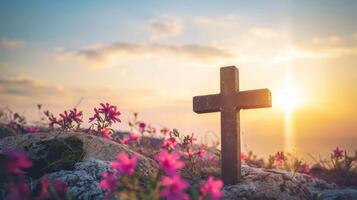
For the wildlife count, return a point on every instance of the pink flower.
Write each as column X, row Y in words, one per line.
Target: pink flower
column 169, row 143
column 105, row 133
column 113, row 115
column 124, row 164
column 243, row 156
column 212, row 189
column 174, row 188
column 305, row 168
column 61, row 188
column 338, row 153
column 53, row 120
column 65, row 116
column 31, row 129
column 16, row 161
column 109, row 112
column 134, row 138
column 44, row 194
column 280, row 158
column 95, row 116
column 191, row 139
column 169, row 162
column 108, row 182
column 76, row 116
column 201, row 153
column 19, row 191
column 125, row 140
column 106, row 108
column 142, row 126
column 189, row 153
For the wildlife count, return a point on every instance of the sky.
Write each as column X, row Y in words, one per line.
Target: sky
column 152, row 57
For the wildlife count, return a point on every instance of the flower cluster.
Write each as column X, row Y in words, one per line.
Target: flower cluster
column 103, row 118
column 68, row 120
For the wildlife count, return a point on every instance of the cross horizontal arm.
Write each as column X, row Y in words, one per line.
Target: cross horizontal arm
column 206, row 104
column 260, row 98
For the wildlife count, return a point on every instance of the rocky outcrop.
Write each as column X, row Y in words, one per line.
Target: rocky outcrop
column 94, row 147
column 259, row 183
column 83, row 180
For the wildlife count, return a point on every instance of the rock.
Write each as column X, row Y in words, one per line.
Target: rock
column 82, row 181
column 259, row 183
column 95, row 147
column 340, row 194
column 54, row 155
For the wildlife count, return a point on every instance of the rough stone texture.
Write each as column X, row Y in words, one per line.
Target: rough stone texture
column 258, row 183
column 54, row 155
column 82, row 181
column 95, row 147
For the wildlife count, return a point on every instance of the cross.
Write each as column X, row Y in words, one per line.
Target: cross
column 229, row 102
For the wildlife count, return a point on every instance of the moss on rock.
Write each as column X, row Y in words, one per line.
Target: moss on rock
column 54, row 155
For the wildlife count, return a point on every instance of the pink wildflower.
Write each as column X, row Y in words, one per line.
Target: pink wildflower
column 134, row 138
column 18, row 191
column 76, row 116
column 44, row 194
column 105, row 133
column 60, row 187
column 169, row 143
column 338, row 153
column 124, row 140
column 191, row 139
column 65, row 116
column 280, row 158
column 108, row 182
column 142, row 126
column 212, row 189
column 16, row 161
column 31, row 129
column 174, row 188
column 95, row 116
column 124, row 164
column 189, row 153
column 113, row 115
column 243, row 156
column 201, row 153
column 169, row 162
column 305, row 168
column 53, row 120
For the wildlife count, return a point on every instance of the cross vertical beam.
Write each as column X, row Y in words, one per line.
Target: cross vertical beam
column 230, row 129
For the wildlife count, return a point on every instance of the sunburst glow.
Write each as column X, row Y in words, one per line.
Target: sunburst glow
column 289, row 99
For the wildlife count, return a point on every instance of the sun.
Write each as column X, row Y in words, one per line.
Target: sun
column 289, row 99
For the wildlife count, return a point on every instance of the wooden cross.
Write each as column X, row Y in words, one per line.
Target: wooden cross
column 229, row 102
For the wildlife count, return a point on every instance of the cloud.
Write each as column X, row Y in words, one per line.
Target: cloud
column 264, row 32
column 24, row 89
column 105, row 55
column 334, row 39
column 165, row 27
column 12, row 43
column 23, row 85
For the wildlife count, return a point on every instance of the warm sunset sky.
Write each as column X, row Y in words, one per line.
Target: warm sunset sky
column 154, row 56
